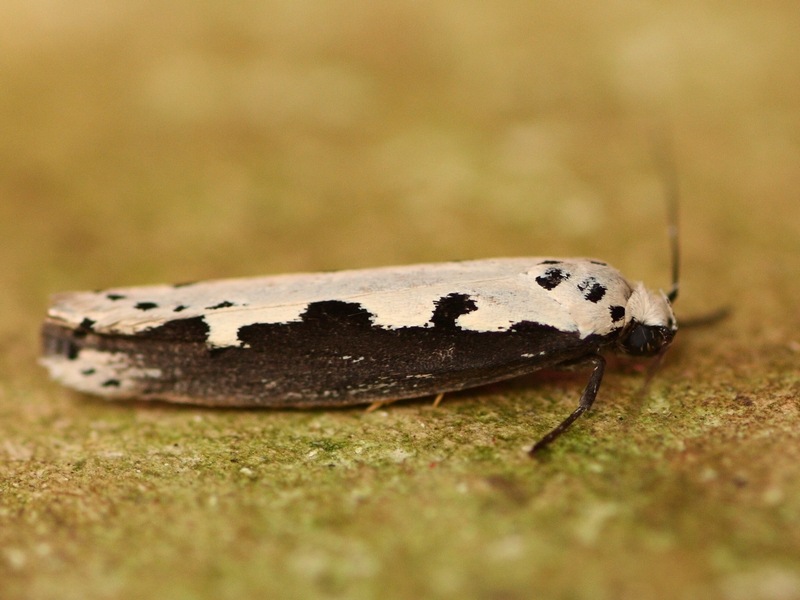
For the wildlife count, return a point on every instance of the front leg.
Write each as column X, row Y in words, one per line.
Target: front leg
column 587, row 398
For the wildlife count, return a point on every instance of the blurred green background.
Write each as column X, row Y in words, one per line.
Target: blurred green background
column 143, row 142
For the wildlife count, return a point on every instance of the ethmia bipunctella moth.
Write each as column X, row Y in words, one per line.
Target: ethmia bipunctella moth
column 362, row 336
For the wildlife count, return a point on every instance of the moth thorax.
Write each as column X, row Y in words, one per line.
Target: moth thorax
column 650, row 323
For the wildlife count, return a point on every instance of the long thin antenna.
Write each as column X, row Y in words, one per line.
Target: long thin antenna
column 665, row 157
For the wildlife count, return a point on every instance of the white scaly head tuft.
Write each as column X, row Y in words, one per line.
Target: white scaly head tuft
column 650, row 324
column 650, row 308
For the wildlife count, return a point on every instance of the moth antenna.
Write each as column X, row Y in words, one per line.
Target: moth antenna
column 674, row 240
column 665, row 157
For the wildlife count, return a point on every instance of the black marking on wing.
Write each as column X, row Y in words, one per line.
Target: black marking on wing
column 592, row 289
column 145, row 305
column 180, row 308
column 599, row 262
column 223, row 304
column 617, row 313
column 115, row 297
column 551, row 262
column 184, row 331
column 320, row 321
column 58, row 340
column 85, row 328
column 449, row 308
column 71, row 346
column 329, row 313
column 552, row 278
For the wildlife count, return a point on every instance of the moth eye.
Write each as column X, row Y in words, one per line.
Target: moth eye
column 646, row 340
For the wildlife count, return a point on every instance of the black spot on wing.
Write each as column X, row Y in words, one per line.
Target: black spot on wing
column 223, row 304
column 617, row 313
column 599, row 262
column 179, row 330
column 84, row 328
column 336, row 312
column 592, row 289
column 111, row 383
column 88, row 372
column 449, row 308
column 552, row 277
column 179, row 308
column 550, row 262
column 115, row 297
column 145, row 305
column 72, row 347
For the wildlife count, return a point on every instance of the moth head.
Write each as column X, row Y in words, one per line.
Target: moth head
column 650, row 324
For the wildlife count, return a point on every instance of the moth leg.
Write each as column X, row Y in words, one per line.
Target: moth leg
column 587, row 398
column 379, row 404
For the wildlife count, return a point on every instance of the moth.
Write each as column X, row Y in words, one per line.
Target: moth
column 355, row 337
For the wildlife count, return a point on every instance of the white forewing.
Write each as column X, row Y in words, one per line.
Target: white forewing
column 505, row 291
